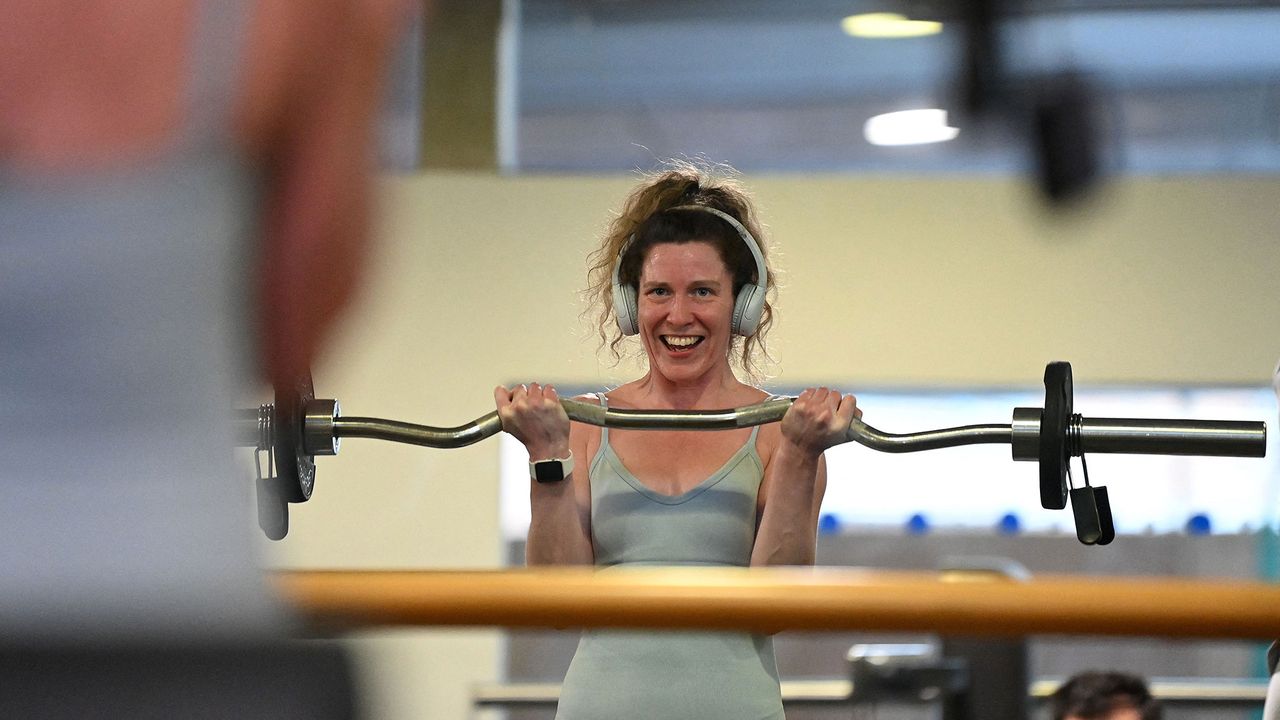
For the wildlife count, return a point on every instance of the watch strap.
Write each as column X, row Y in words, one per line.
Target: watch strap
column 553, row 470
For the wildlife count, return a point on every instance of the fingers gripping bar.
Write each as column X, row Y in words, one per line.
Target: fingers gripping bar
column 300, row 427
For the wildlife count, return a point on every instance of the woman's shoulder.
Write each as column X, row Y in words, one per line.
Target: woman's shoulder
column 751, row 395
column 770, row 434
column 592, row 398
column 625, row 395
column 585, row 438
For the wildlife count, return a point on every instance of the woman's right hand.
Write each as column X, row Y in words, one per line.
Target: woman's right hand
column 819, row 419
column 533, row 415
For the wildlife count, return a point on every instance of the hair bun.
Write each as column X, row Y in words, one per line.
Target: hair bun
column 690, row 192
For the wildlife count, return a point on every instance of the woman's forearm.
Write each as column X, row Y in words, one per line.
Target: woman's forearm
column 557, row 531
column 788, row 526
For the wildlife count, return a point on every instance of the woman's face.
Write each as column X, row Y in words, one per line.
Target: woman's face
column 685, row 304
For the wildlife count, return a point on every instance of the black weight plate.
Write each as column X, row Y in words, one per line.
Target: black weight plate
column 1053, row 435
column 295, row 469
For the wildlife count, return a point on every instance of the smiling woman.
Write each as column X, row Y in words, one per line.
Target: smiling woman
column 680, row 268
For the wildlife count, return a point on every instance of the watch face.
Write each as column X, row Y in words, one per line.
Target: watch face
column 548, row 471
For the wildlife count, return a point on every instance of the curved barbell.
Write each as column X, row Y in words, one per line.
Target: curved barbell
column 1227, row 438
column 299, row 426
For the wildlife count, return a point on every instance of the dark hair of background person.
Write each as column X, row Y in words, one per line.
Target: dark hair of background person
column 1094, row 695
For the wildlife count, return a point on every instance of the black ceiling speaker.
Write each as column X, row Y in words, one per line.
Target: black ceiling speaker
column 1064, row 134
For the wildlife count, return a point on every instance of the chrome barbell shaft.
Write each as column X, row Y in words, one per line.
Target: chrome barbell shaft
column 773, row 411
column 489, row 425
column 425, row 435
column 864, row 434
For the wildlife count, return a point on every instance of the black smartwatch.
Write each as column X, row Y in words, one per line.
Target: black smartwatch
column 553, row 470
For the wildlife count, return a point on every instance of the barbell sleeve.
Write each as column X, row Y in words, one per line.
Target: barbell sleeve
column 1219, row 438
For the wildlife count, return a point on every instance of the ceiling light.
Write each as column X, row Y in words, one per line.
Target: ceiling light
column 888, row 25
column 909, row 127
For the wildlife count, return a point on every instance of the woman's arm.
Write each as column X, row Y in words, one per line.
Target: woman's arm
column 795, row 477
column 309, row 115
column 560, row 511
column 793, row 486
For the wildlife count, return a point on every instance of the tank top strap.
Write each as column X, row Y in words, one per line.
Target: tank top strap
column 218, row 47
column 755, row 431
column 604, row 429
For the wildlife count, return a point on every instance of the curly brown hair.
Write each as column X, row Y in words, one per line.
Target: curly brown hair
column 646, row 217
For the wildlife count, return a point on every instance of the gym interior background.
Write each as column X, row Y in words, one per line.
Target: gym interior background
column 942, row 267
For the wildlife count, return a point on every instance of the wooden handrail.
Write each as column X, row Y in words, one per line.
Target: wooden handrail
column 1200, row 692
column 776, row 599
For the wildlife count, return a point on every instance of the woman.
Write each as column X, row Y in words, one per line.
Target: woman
column 679, row 268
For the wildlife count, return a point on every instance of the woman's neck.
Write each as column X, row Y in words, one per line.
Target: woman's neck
column 711, row 391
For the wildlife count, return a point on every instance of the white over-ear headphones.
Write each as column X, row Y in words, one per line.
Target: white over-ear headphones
column 748, row 306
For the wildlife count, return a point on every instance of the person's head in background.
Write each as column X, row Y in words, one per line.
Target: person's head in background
column 1104, row 696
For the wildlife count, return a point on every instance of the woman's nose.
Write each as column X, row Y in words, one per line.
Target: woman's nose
column 679, row 311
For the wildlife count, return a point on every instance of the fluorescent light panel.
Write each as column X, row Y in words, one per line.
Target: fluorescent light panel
column 888, row 25
column 909, row 127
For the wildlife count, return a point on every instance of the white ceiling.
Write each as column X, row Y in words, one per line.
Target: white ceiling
column 613, row 85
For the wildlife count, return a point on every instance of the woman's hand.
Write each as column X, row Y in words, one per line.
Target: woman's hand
column 533, row 415
column 819, row 419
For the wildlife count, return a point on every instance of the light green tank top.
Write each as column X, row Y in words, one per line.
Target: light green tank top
column 656, row 675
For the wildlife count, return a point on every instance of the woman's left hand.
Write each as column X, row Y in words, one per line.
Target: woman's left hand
column 819, row 419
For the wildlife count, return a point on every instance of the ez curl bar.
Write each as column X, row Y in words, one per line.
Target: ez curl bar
column 299, row 426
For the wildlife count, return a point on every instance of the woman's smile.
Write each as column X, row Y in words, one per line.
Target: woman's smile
column 681, row 345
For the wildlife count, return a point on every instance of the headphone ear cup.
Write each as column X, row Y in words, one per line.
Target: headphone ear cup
column 624, row 309
column 748, row 308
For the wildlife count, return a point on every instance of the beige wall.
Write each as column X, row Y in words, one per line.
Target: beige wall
column 895, row 281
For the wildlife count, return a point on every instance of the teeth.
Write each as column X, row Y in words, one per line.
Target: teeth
column 680, row 341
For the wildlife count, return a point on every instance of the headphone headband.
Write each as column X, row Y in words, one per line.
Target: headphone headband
column 762, row 276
